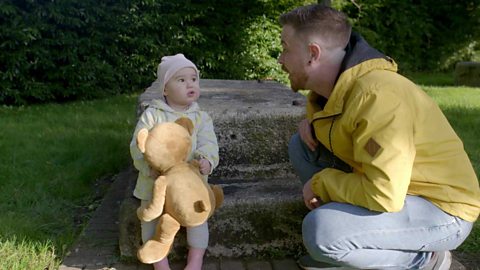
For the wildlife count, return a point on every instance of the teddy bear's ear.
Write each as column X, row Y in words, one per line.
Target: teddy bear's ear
column 142, row 139
column 186, row 123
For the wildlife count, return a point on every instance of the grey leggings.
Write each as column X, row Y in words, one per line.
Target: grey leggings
column 197, row 237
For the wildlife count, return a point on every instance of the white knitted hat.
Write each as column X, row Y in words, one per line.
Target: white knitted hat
column 168, row 67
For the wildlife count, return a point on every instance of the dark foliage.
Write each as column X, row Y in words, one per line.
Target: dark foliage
column 420, row 34
column 57, row 51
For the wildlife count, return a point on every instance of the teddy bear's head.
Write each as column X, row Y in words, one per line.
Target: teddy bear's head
column 166, row 144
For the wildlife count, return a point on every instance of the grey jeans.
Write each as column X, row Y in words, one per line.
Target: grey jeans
column 349, row 235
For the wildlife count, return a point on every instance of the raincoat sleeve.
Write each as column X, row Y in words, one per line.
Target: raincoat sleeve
column 207, row 145
column 147, row 120
column 382, row 130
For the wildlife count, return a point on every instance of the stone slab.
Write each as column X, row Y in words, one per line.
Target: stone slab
column 253, row 121
column 257, row 218
column 77, row 260
column 238, row 98
column 467, row 74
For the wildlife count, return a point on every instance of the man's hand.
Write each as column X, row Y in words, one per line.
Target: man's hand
column 309, row 198
column 205, row 166
column 305, row 131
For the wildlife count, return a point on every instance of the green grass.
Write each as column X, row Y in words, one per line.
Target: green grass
column 436, row 79
column 53, row 154
column 51, row 157
column 42, row 255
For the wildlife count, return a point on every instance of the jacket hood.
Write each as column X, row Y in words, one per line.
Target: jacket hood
column 360, row 58
column 359, row 51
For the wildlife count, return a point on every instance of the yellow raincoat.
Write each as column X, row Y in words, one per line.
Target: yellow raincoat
column 395, row 138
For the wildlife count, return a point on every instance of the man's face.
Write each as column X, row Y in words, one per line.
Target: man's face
column 294, row 58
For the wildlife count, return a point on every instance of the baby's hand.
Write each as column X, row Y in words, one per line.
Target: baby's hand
column 205, row 166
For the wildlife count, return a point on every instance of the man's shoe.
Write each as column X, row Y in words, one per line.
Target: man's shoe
column 441, row 260
column 306, row 262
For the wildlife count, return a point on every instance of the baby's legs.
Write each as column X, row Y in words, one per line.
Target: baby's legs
column 162, row 265
column 148, row 230
column 195, row 258
column 197, row 239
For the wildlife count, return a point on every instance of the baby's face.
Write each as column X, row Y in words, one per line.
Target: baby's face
column 182, row 89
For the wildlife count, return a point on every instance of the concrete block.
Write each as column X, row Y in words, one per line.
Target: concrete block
column 231, row 265
column 262, row 211
column 129, row 238
column 258, row 218
column 210, row 264
column 253, row 122
column 256, row 265
column 285, row 264
column 467, row 74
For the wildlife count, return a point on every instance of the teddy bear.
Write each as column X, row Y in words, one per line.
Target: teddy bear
column 181, row 197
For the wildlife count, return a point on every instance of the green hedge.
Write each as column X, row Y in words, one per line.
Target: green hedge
column 57, row 51
column 83, row 49
column 425, row 35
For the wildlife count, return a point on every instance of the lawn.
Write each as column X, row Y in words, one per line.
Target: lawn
column 53, row 154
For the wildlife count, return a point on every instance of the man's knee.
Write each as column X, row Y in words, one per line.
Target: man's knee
column 312, row 231
column 294, row 145
column 320, row 231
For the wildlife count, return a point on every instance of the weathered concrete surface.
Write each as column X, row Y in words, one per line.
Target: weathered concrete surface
column 262, row 209
column 257, row 219
column 97, row 249
column 467, row 74
column 129, row 233
column 253, row 122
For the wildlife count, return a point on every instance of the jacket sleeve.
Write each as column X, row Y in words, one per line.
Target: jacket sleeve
column 207, row 145
column 382, row 130
column 147, row 120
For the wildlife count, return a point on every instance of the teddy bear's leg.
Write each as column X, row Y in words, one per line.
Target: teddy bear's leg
column 158, row 247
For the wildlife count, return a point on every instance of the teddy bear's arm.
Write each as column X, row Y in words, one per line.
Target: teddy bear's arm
column 155, row 208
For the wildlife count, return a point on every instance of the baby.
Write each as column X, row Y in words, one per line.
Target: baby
column 178, row 81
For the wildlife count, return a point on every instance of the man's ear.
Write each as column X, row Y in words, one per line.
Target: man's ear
column 315, row 52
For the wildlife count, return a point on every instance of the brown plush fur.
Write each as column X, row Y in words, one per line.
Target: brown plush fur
column 180, row 195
